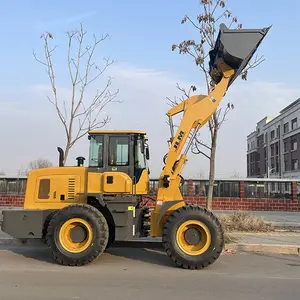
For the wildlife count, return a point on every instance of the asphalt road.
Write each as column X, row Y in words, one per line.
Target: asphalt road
column 27, row 273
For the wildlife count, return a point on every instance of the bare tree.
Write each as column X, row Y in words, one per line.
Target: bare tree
column 40, row 163
column 79, row 112
column 235, row 174
column 206, row 24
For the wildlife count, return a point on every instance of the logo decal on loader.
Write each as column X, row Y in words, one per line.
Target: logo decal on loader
column 179, row 139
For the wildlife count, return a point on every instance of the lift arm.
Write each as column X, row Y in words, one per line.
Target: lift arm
column 197, row 110
column 232, row 52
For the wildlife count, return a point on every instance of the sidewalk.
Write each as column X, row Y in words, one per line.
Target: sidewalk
column 282, row 242
column 277, row 218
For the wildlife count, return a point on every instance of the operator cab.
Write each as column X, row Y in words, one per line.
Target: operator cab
column 118, row 151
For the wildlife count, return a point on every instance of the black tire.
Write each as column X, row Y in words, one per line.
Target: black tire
column 100, row 234
column 181, row 258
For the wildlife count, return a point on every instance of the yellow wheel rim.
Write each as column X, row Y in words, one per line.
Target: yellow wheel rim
column 200, row 234
column 65, row 235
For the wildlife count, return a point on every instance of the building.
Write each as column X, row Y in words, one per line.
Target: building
column 273, row 150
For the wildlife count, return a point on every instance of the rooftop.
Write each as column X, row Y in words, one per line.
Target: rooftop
column 290, row 106
column 269, row 121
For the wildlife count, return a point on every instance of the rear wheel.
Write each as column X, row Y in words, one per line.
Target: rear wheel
column 77, row 235
column 193, row 237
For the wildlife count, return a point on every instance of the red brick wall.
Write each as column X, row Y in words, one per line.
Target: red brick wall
column 11, row 200
column 246, row 204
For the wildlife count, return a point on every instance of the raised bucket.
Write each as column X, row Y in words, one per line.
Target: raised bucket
column 236, row 47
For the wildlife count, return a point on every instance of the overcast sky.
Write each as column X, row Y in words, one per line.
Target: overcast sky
column 146, row 73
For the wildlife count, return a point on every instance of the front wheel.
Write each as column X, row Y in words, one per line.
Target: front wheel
column 77, row 235
column 193, row 237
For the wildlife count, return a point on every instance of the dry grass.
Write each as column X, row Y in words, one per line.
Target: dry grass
column 229, row 238
column 243, row 221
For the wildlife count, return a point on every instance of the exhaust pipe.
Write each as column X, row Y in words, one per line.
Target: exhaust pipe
column 236, row 48
column 61, row 157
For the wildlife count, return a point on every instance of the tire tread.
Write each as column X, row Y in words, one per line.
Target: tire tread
column 168, row 242
column 98, row 249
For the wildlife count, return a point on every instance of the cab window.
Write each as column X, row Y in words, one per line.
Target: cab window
column 96, row 151
column 118, row 151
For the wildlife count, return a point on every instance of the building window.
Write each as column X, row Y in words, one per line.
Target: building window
column 266, row 138
column 248, row 146
column 272, row 134
column 276, row 149
column 294, row 123
column 286, row 165
column 277, row 165
column 285, row 146
column 272, row 164
column 294, row 164
column 294, row 145
column 258, row 130
column 272, row 150
column 286, row 128
column 273, row 186
column 278, row 131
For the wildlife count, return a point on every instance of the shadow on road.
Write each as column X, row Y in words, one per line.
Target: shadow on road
column 40, row 253
column 152, row 256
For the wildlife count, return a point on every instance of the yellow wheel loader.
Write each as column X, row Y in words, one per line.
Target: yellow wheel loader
column 80, row 210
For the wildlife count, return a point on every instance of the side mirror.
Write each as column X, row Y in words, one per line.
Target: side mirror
column 147, row 153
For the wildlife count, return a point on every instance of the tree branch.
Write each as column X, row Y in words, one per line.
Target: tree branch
column 86, row 111
column 202, row 144
column 199, row 151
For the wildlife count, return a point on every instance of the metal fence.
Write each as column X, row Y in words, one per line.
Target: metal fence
column 253, row 188
column 153, row 187
column 221, row 188
column 269, row 189
column 12, row 186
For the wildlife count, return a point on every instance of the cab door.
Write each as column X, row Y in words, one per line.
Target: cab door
column 119, row 170
column 120, row 154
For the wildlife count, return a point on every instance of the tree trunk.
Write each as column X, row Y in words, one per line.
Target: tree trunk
column 212, row 169
column 66, row 153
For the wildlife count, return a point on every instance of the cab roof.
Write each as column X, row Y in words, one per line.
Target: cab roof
column 116, row 131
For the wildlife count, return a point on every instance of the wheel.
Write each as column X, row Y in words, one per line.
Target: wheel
column 193, row 237
column 77, row 235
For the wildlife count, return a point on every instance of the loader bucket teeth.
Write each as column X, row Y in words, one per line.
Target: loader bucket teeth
column 236, row 48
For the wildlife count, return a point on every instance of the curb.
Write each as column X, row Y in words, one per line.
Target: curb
column 265, row 248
